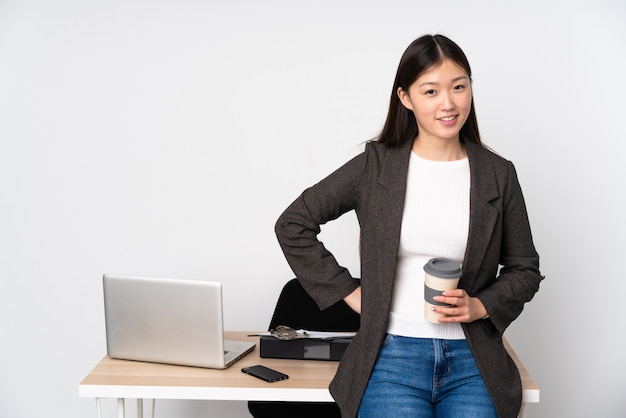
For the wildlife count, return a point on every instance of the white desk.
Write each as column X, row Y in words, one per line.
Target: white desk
column 308, row 381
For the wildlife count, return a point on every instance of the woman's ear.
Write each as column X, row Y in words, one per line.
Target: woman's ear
column 405, row 99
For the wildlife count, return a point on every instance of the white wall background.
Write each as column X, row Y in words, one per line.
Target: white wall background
column 165, row 138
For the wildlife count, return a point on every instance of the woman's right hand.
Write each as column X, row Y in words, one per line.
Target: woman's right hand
column 354, row 300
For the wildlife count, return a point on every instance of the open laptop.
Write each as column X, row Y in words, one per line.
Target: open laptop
column 169, row 321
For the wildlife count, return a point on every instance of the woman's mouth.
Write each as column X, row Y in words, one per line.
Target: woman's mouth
column 448, row 120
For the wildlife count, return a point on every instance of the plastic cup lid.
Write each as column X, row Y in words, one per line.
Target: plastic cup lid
column 443, row 267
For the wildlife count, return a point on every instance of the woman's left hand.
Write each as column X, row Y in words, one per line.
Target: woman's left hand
column 466, row 308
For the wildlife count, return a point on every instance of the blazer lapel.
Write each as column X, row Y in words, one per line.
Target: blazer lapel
column 389, row 209
column 483, row 216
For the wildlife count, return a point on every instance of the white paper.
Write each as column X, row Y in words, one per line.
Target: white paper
column 320, row 335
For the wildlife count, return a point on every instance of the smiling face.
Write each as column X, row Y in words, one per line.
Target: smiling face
column 441, row 100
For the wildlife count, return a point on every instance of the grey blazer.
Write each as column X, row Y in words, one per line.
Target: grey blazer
column 374, row 185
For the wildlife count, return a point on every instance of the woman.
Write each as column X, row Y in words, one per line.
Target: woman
column 425, row 188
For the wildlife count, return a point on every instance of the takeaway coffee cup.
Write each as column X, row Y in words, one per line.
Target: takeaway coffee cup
column 441, row 274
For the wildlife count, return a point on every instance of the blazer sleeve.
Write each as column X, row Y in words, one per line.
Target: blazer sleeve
column 519, row 275
column 297, row 229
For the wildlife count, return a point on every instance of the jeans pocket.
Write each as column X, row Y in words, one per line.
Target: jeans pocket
column 388, row 339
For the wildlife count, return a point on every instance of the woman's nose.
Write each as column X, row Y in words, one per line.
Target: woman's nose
column 447, row 103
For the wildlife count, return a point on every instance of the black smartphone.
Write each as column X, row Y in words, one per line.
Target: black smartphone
column 265, row 373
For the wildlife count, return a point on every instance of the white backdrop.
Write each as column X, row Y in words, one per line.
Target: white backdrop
column 165, row 138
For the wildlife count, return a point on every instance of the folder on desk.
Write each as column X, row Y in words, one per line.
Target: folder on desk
column 308, row 345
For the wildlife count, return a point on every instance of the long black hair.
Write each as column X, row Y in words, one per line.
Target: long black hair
column 423, row 54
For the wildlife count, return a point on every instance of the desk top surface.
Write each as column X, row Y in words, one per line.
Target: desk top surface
column 308, row 379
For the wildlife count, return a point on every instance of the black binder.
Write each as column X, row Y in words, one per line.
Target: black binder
column 304, row 348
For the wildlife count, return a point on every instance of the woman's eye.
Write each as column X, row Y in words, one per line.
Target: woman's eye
column 430, row 92
column 459, row 87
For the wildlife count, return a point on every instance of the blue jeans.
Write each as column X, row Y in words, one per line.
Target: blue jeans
column 422, row 377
